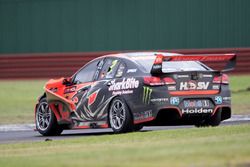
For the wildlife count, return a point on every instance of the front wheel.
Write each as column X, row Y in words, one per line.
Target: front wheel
column 120, row 118
column 46, row 123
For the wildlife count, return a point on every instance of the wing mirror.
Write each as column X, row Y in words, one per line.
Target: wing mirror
column 67, row 81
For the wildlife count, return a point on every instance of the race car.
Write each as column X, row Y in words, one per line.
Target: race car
column 127, row 91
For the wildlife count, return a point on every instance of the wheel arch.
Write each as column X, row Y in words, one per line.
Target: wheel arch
column 38, row 100
column 124, row 99
column 55, row 112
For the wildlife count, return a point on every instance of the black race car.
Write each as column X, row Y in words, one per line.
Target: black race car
column 130, row 90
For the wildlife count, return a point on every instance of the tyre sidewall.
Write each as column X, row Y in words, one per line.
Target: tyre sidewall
column 53, row 128
column 127, row 125
column 215, row 120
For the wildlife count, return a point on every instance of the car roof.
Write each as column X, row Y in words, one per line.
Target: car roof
column 137, row 56
column 132, row 55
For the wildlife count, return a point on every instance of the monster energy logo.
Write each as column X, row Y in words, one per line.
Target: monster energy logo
column 146, row 95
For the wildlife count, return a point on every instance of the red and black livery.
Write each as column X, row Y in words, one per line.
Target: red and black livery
column 127, row 91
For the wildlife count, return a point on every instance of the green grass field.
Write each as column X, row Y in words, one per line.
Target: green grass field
column 19, row 97
column 224, row 146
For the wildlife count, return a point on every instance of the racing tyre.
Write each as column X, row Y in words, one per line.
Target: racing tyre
column 46, row 123
column 215, row 119
column 138, row 127
column 120, row 118
column 202, row 124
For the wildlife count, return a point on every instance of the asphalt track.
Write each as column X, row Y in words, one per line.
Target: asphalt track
column 32, row 136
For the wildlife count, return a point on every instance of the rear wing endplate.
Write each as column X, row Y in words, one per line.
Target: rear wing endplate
column 230, row 58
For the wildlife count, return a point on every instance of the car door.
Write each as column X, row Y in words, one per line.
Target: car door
column 89, row 91
column 99, row 96
column 78, row 91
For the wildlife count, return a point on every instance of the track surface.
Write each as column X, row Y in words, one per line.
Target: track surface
column 31, row 136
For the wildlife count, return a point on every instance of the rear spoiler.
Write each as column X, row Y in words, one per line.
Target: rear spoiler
column 230, row 57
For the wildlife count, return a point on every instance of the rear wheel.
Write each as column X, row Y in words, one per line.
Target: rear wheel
column 202, row 124
column 138, row 127
column 46, row 122
column 120, row 118
column 215, row 120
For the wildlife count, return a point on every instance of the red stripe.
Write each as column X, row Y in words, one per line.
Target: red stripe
column 202, row 57
column 219, row 106
column 104, row 126
column 144, row 120
column 82, row 127
column 194, row 92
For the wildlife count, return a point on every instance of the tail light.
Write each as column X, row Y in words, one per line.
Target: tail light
column 156, row 81
column 153, row 81
column 221, row 79
column 225, row 79
column 169, row 81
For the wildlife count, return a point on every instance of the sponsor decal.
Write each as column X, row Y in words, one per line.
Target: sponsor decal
column 159, row 100
column 174, row 101
column 175, row 76
column 226, row 98
column 207, row 75
column 196, row 103
column 193, row 85
column 196, row 111
column 216, row 87
column 122, row 92
column 126, row 83
column 131, row 70
column 143, row 115
column 171, row 87
column 190, row 104
column 182, row 76
column 157, row 67
column 218, row 100
column 53, row 90
column 70, row 90
column 146, row 94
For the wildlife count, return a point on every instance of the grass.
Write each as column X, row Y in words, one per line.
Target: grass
column 19, row 97
column 220, row 146
column 240, row 86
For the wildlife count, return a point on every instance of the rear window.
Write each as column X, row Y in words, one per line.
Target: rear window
column 171, row 66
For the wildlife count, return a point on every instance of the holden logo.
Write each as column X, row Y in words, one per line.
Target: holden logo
column 197, row 111
column 192, row 85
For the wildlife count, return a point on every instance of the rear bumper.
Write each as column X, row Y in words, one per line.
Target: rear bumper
column 174, row 116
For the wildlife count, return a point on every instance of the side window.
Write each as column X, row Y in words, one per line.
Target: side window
column 120, row 70
column 87, row 73
column 109, row 68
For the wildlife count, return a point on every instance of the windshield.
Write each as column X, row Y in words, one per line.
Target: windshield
column 171, row 66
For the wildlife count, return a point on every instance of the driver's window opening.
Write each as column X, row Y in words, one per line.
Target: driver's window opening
column 109, row 69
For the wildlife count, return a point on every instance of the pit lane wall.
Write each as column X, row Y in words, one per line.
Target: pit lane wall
column 54, row 65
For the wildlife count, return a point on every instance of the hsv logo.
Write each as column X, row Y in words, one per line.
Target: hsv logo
column 192, row 85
